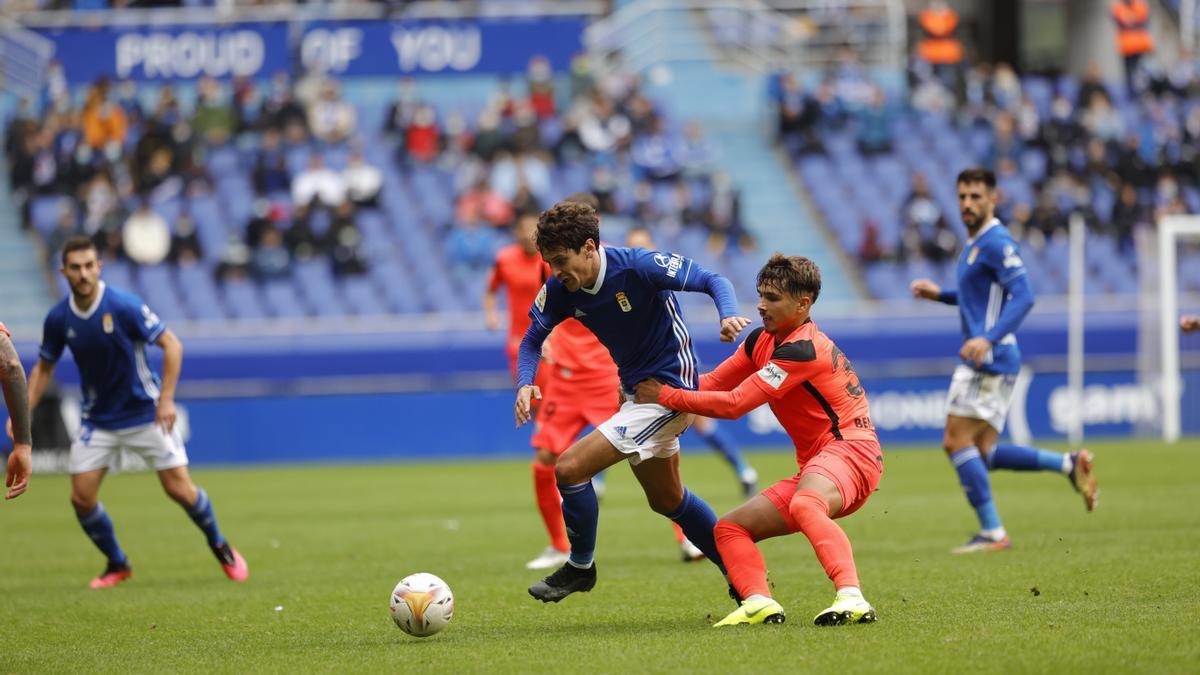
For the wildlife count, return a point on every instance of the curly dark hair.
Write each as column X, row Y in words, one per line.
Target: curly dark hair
column 794, row 275
column 567, row 225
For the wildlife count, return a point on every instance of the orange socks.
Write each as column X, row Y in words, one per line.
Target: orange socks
column 811, row 513
column 743, row 561
column 550, row 504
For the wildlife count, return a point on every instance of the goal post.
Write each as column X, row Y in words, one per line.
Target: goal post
column 1171, row 230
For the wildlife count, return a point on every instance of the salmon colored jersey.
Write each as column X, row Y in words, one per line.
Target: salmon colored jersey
column 810, row 384
column 522, row 276
column 578, row 355
column 4, row 330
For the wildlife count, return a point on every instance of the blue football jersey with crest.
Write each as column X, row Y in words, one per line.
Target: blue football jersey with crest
column 108, row 341
column 993, row 295
column 632, row 310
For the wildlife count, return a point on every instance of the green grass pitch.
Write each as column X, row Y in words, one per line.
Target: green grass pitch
column 1113, row 591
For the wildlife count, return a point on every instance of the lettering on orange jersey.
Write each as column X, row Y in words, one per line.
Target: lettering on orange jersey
column 853, row 387
column 772, row 375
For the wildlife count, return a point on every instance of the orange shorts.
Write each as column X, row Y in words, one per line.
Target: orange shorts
column 569, row 407
column 855, row 467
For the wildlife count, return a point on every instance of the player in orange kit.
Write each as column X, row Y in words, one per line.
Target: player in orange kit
column 520, row 269
column 815, row 394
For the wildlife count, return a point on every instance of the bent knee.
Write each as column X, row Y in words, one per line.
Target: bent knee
column 567, row 472
column 83, row 503
column 727, row 529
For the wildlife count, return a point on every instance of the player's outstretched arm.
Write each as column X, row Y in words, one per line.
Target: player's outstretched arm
column 730, row 373
column 16, row 397
column 528, row 356
column 726, row 405
column 679, row 273
column 172, row 365
column 926, row 289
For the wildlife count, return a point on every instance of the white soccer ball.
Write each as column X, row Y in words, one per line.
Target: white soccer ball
column 421, row 604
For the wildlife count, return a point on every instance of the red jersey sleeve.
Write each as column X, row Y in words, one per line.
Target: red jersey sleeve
column 726, row 405
column 497, row 276
column 734, row 369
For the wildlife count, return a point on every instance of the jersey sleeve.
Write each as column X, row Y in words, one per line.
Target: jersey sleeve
column 548, row 310
column 674, row 272
column 496, row 277
column 138, row 321
column 791, row 365
column 53, row 338
column 735, row 369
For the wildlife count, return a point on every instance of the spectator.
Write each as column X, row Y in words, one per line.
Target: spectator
column 214, row 121
column 271, row 259
column 271, row 173
column 318, row 185
column 363, row 181
column 480, row 203
column 942, row 245
column 422, row 138
column 527, row 134
column 185, row 242
column 146, row 237
column 540, row 79
column 64, row 229
column 875, row 125
column 653, row 154
column 104, row 124
column 489, row 139
column 331, row 119
column 1132, row 18
column 300, row 238
column 471, row 247
column 235, row 260
column 920, row 209
column 281, row 111
column 871, row 250
column 693, row 151
column 345, row 243
column 402, row 110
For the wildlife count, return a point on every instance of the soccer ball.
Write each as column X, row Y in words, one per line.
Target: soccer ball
column 421, row 604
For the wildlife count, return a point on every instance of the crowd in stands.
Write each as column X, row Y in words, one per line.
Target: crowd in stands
column 257, row 181
column 881, row 164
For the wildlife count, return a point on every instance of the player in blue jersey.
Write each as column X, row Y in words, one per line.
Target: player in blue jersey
column 16, row 398
column 125, row 404
column 993, row 297
column 626, row 298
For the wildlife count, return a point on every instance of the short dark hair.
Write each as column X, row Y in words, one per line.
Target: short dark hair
column 76, row 243
column 794, row 275
column 977, row 174
column 567, row 225
column 584, row 198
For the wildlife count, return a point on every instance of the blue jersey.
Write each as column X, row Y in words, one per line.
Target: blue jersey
column 993, row 295
column 632, row 310
column 108, row 341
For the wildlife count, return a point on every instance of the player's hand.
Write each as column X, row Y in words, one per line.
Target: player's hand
column 524, row 396
column 975, row 350
column 924, row 289
column 492, row 321
column 20, row 465
column 165, row 415
column 646, row 391
column 731, row 327
column 1189, row 324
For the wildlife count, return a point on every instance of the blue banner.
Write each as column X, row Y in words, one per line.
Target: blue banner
column 479, row 46
column 175, row 52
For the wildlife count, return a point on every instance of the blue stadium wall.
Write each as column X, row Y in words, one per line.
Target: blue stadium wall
column 447, row 395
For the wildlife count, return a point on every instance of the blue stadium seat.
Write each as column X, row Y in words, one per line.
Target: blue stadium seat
column 242, row 299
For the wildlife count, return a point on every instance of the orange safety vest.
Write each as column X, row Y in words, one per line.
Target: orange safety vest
column 939, row 46
column 1133, row 20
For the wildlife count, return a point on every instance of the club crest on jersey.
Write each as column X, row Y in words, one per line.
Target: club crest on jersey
column 540, row 301
column 107, row 322
column 973, row 255
column 772, row 375
column 624, row 302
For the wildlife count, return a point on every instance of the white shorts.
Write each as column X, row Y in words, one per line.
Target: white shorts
column 980, row 395
column 99, row 448
column 645, row 430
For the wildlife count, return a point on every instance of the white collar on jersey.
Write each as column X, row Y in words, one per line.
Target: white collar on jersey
column 91, row 310
column 990, row 224
column 599, row 277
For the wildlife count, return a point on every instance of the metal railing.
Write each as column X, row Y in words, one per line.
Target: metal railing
column 24, row 56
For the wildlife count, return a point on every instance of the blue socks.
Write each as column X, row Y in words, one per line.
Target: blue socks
column 201, row 513
column 697, row 520
column 973, row 475
column 1023, row 458
column 723, row 444
column 99, row 529
column 581, row 513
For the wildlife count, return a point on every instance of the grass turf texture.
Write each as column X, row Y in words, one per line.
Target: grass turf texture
column 1111, row 591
